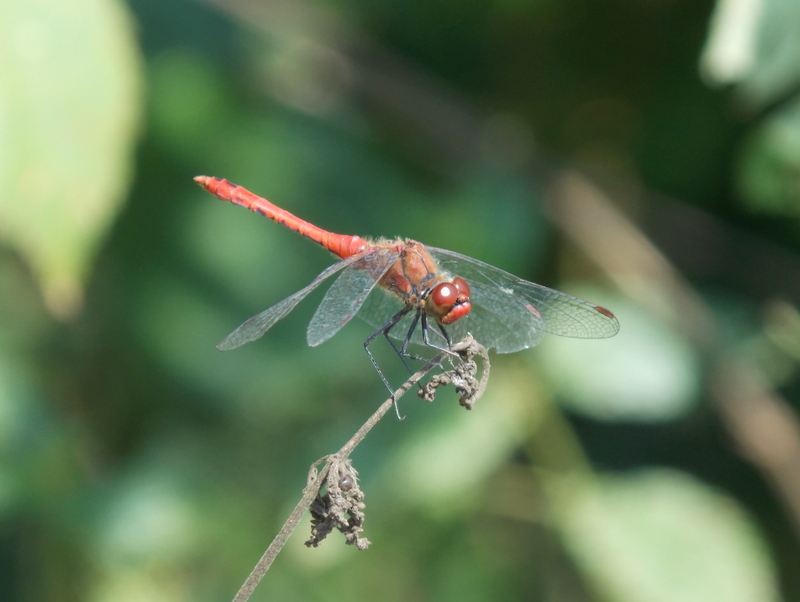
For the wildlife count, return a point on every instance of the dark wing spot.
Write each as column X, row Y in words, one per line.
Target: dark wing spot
column 604, row 311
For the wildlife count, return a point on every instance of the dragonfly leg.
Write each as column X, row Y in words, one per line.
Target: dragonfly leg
column 384, row 330
column 426, row 336
column 401, row 353
column 445, row 334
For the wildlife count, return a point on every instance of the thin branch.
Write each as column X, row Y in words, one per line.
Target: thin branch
column 338, row 465
column 315, row 481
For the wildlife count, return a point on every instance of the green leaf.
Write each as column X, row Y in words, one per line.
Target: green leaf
column 69, row 107
column 660, row 535
column 754, row 44
column 646, row 373
column 770, row 161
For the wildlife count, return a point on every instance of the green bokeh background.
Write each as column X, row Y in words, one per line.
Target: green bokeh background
column 138, row 463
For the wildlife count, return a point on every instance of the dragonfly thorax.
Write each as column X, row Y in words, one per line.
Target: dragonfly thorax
column 417, row 280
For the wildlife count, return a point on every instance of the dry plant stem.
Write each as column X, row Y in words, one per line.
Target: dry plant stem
column 316, row 478
column 462, row 376
column 315, row 481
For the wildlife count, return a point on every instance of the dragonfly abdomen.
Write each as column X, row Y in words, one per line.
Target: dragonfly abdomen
column 341, row 245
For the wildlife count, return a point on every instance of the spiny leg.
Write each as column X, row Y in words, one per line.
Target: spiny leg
column 445, row 334
column 401, row 353
column 426, row 337
column 384, row 330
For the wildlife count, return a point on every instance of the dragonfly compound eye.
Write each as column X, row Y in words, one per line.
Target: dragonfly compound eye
column 462, row 286
column 449, row 301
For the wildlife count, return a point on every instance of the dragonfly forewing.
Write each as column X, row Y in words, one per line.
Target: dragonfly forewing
column 498, row 324
column 510, row 299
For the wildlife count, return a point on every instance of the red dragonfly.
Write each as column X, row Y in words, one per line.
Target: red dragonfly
column 422, row 287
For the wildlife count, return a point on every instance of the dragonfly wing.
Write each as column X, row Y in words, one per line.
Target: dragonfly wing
column 511, row 331
column 346, row 296
column 256, row 326
column 496, row 323
column 512, row 314
column 569, row 316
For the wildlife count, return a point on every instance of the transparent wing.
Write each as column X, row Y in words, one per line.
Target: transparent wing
column 346, row 296
column 511, row 313
column 256, row 326
column 512, row 329
column 508, row 313
column 496, row 323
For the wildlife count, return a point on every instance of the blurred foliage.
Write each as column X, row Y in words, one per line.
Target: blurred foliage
column 138, row 463
column 70, row 105
column 658, row 535
column 753, row 46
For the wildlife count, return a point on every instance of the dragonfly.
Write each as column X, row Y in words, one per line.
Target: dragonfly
column 416, row 294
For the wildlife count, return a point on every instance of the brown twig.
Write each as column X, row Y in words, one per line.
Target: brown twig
column 343, row 496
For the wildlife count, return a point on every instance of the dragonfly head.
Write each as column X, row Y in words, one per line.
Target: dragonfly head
column 449, row 301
